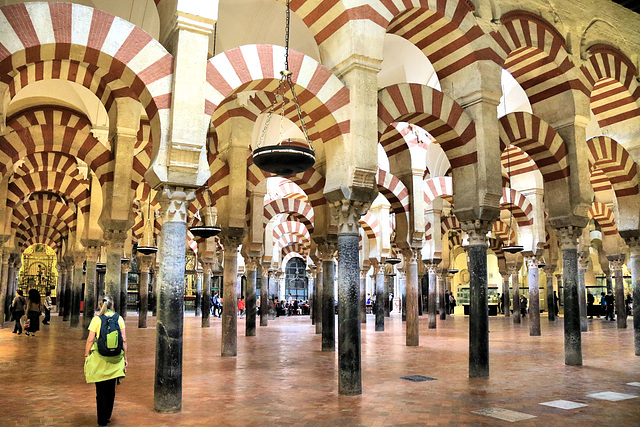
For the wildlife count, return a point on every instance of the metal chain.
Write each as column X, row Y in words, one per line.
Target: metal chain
column 215, row 37
column 286, row 38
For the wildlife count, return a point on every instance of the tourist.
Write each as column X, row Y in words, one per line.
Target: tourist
column 452, row 302
column 499, row 304
column 628, row 303
column 603, row 305
column 447, row 302
column 34, row 308
column 241, row 307
column 523, row 306
column 17, row 308
column 590, row 301
column 102, row 370
column 47, row 308
column 555, row 303
column 610, row 306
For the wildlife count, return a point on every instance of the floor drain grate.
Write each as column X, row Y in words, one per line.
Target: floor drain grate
column 418, row 378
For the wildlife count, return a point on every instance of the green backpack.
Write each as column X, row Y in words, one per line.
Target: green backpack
column 110, row 339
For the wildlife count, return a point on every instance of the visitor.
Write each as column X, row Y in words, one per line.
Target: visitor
column 590, row 301
column 499, row 304
column 217, row 305
column 34, row 308
column 390, row 301
column 17, row 308
column 555, row 303
column 241, row 307
column 102, row 370
column 610, row 306
column 446, row 301
column 452, row 302
column 629, row 303
column 523, row 306
column 47, row 308
column 603, row 305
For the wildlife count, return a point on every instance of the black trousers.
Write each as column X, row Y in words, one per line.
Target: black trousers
column 47, row 316
column 105, row 395
column 18, row 326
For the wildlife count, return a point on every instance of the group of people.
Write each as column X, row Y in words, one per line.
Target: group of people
column 291, row 307
column 607, row 304
column 26, row 311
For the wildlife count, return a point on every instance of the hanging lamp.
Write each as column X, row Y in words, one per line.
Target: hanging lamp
column 289, row 156
column 510, row 248
column 208, row 227
column 452, row 269
column 149, row 248
column 542, row 263
column 393, row 259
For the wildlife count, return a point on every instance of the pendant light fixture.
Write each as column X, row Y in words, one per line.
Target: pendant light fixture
column 542, row 263
column 208, row 227
column 149, row 248
column 509, row 247
column 289, row 156
column 393, row 259
column 452, row 269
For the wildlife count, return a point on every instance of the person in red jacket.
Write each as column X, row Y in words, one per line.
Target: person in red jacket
column 241, row 307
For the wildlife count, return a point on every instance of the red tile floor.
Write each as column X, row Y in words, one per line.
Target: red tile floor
column 281, row 377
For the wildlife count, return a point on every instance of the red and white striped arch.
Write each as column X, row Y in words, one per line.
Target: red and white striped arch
column 448, row 223
column 289, row 238
column 502, row 231
column 521, row 207
column 285, row 205
column 404, row 138
column 293, row 254
column 395, row 192
column 601, row 213
column 48, row 205
column 43, row 220
column 310, row 181
column 48, row 236
column 291, row 227
column 441, row 186
column 599, row 181
column 43, row 161
column 435, row 112
column 539, row 140
column 514, row 162
column 371, row 226
column 218, row 187
column 74, row 189
column 615, row 162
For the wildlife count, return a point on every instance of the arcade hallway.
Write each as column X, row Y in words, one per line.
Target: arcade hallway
column 281, row 378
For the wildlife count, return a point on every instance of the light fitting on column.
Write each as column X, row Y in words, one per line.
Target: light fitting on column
column 148, row 248
column 208, row 219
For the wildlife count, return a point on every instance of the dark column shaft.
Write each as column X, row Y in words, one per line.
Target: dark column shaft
column 264, row 296
column 432, row 297
column 402, row 287
column 143, row 296
column 328, row 306
column 349, row 357
column 230, row 302
column 198, row 301
column 534, row 298
column 250, row 302
column 550, row 308
column 379, row 298
column 388, row 287
column 572, row 334
column 582, row 295
column 634, row 267
column 515, row 284
column 4, row 285
column 62, row 271
column 312, row 298
column 319, row 295
column 412, row 329
column 424, row 284
column 621, row 309
column 68, row 292
column 440, row 280
column 89, row 295
column 113, row 276
column 206, row 296
column 420, row 299
column 478, row 313
column 506, row 301
column 363, row 296
column 124, row 287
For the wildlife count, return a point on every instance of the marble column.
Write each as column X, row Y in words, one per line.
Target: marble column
column 327, row 250
column 378, row 270
column 363, row 295
column 387, row 286
column 68, row 288
column 124, row 286
column 273, row 294
column 197, row 306
column 319, row 293
column 231, row 239
column 583, row 264
column 411, row 267
column 420, row 299
column 207, row 273
column 113, row 277
column 441, row 280
column 634, row 268
column 432, row 268
column 311, row 286
column 617, row 261
column 90, row 303
column 402, row 290
column 174, row 203
column 515, row 285
column 4, row 284
column 144, row 263
column 60, row 291
column 548, row 271
column 251, row 266
column 264, row 294
column 478, row 303
column 534, row 296
column 424, row 284
column 506, row 301
column 153, row 295
column 568, row 238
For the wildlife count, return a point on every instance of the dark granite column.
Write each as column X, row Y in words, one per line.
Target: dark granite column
column 68, row 290
column 548, row 271
column 411, row 267
column 441, row 280
column 425, row 292
column 60, row 291
column 144, row 264
column 432, row 266
column 327, row 250
column 583, row 265
column 251, row 264
column 264, row 294
column 363, row 295
column 533, row 280
column 634, row 268
column 311, row 286
column 76, row 291
column 420, row 299
column 207, row 273
column 478, row 303
column 515, row 285
column 568, row 238
column 153, row 295
column 379, row 289
column 90, row 304
column 506, row 301
column 231, row 238
column 319, row 294
column 273, row 294
column 617, row 261
column 388, row 287
column 4, row 284
column 170, row 293
column 124, row 286
column 113, row 276
column 609, row 282
column 402, row 290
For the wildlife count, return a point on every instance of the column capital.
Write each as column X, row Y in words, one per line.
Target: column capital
column 431, row 265
column 477, row 231
column 549, row 270
column 583, row 260
column 568, row 236
column 231, row 238
column 174, row 202
column 115, row 238
column 145, row 262
column 532, row 262
column 513, row 269
column 377, row 267
column 92, row 253
column 616, row 261
column 327, row 246
column 410, row 255
column 124, row 266
column 634, row 245
column 251, row 263
column 347, row 213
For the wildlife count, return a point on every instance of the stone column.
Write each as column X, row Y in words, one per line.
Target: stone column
column 197, row 306
column 478, row 303
column 420, row 299
column 310, row 292
column 389, row 285
column 425, row 292
column 402, row 290
column 170, row 296
column 318, row 300
column 534, row 296
column 363, row 295
column 348, row 213
column 617, row 261
column 432, row 268
column 62, row 281
column 548, row 271
column 207, row 273
column 112, row 279
column 251, row 266
column 124, row 286
column 89, row 310
column 609, row 281
column 327, row 249
column 583, row 264
column 378, row 270
column 264, row 294
column 634, row 268
column 68, row 287
column 411, row 267
column 506, row 301
column 442, row 280
column 144, row 263
column 231, row 239
column 515, row 284
column 4, row 284
column 273, row 294
column 154, row 284
column 568, row 238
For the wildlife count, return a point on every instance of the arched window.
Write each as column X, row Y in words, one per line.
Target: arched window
column 296, row 279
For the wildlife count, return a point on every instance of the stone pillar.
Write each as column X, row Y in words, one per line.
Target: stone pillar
column 170, row 296
column 515, row 284
column 154, row 290
column 478, row 303
column 389, row 285
column 568, row 238
column 231, row 239
column 420, row 299
column 378, row 270
column 634, row 268
column 319, row 294
column 424, row 283
column 402, row 290
column 534, row 296
column 548, row 271
column 112, row 279
column 617, row 261
column 251, row 266
column 144, row 263
column 348, row 213
column 4, row 284
column 207, row 273
column 363, row 295
column 327, row 249
column 411, row 267
column 311, row 286
column 609, row 282
column 264, row 294
column 197, row 306
column 583, row 264
column 441, row 280
column 124, row 286
column 432, row 268
column 506, row 301
column 62, row 281
column 90, row 282
column 68, row 287
column 273, row 294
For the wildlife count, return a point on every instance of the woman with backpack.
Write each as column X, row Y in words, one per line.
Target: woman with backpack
column 105, row 356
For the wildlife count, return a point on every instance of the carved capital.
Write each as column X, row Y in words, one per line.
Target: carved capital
column 145, row 262
column 634, row 245
column 92, row 253
column 174, row 202
column 477, row 231
column 549, row 270
column 124, row 267
column 568, row 237
column 231, row 238
column 377, row 268
column 410, row 255
column 327, row 247
column 251, row 263
column 115, row 240
column 583, row 260
column 532, row 262
column 616, row 261
column 513, row 269
column 347, row 213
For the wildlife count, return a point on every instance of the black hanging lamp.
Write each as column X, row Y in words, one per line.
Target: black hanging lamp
column 149, row 248
column 542, row 263
column 208, row 227
column 393, row 259
column 510, row 248
column 289, row 156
